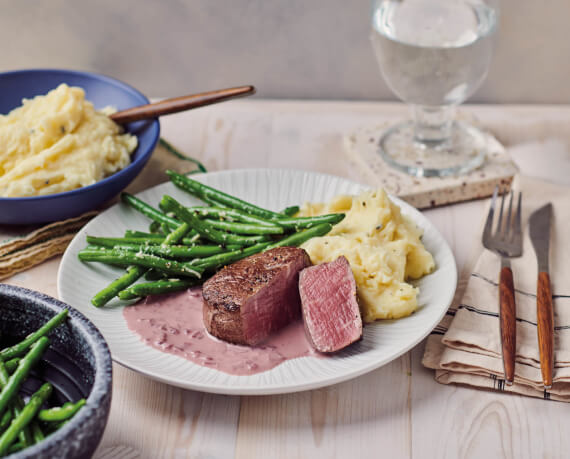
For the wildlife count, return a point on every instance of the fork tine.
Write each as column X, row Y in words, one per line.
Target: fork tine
column 509, row 217
column 500, row 221
column 489, row 222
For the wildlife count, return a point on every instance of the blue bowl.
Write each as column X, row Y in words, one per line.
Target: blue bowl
column 102, row 91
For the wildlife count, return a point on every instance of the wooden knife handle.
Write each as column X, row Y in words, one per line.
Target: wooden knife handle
column 179, row 104
column 545, row 322
column 508, row 321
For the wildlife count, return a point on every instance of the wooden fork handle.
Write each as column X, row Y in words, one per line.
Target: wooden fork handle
column 179, row 104
column 508, row 322
column 545, row 325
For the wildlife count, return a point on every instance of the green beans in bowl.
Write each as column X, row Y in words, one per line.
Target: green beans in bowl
column 55, row 378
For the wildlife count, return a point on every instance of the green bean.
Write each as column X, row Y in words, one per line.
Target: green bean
column 4, row 375
column 134, row 272
column 141, row 234
column 178, row 251
column 92, row 246
column 245, row 228
column 157, row 238
column 308, row 222
column 293, row 240
column 226, row 213
column 211, row 202
column 11, row 364
column 217, row 261
column 17, row 404
column 10, row 390
column 178, row 233
column 154, row 275
column 290, row 211
column 205, row 192
column 148, row 210
column 298, row 238
column 61, row 413
column 25, row 417
column 52, row 427
column 15, row 447
column 111, row 242
column 37, row 432
column 155, row 228
column 140, row 259
column 204, row 228
column 102, row 297
column 179, row 155
column 25, row 435
column 22, row 347
column 281, row 219
column 5, row 420
column 156, row 287
column 132, row 242
column 283, row 222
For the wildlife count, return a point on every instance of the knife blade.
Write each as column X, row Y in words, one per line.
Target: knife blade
column 539, row 230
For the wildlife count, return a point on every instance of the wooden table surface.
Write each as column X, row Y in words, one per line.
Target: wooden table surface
column 397, row 411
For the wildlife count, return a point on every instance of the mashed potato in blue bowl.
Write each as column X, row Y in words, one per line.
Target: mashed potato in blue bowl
column 61, row 155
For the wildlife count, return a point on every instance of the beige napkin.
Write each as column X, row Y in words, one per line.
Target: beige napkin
column 465, row 348
column 22, row 247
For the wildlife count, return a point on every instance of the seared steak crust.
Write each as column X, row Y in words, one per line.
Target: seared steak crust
column 248, row 300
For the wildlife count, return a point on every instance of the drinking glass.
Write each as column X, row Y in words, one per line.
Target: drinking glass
column 433, row 54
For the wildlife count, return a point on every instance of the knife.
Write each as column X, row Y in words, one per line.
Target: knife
column 539, row 229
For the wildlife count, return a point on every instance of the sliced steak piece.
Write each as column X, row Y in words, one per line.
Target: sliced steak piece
column 330, row 310
column 249, row 300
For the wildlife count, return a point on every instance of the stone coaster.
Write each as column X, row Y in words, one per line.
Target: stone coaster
column 425, row 192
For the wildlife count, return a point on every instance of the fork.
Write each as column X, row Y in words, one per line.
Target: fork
column 506, row 241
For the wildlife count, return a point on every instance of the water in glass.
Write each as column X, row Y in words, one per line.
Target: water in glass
column 434, row 54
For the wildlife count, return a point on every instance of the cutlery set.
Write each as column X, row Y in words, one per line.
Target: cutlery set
column 506, row 242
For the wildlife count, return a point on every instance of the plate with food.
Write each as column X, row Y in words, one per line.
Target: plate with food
column 259, row 281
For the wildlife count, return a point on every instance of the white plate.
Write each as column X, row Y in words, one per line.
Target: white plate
column 274, row 189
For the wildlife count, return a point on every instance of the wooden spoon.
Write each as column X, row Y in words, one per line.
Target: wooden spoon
column 179, row 104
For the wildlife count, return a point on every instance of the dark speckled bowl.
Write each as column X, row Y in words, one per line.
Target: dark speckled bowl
column 77, row 363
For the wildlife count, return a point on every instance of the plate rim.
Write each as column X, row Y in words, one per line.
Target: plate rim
column 295, row 387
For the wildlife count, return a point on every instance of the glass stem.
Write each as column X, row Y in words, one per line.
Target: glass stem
column 433, row 124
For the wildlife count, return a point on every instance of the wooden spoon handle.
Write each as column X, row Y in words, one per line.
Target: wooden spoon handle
column 508, row 321
column 545, row 322
column 179, row 104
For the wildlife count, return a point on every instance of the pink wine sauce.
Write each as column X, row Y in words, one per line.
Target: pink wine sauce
column 173, row 323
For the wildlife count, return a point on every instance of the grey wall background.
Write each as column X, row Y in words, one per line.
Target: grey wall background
column 316, row 49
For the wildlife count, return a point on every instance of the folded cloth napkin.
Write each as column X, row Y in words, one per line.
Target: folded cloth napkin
column 22, row 247
column 465, row 348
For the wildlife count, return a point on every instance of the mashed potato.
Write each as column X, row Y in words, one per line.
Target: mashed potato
column 58, row 142
column 383, row 248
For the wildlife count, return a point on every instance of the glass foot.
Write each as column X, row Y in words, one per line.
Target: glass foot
column 464, row 151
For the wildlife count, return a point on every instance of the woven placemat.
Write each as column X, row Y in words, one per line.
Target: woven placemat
column 22, row 247
column 361, row 147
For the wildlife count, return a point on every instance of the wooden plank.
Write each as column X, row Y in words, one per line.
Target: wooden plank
column 451, row 422
column 153, row 420
column 362, row 418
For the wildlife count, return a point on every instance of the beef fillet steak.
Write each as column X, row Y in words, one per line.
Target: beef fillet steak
column 330, row 310
column 249, row 300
